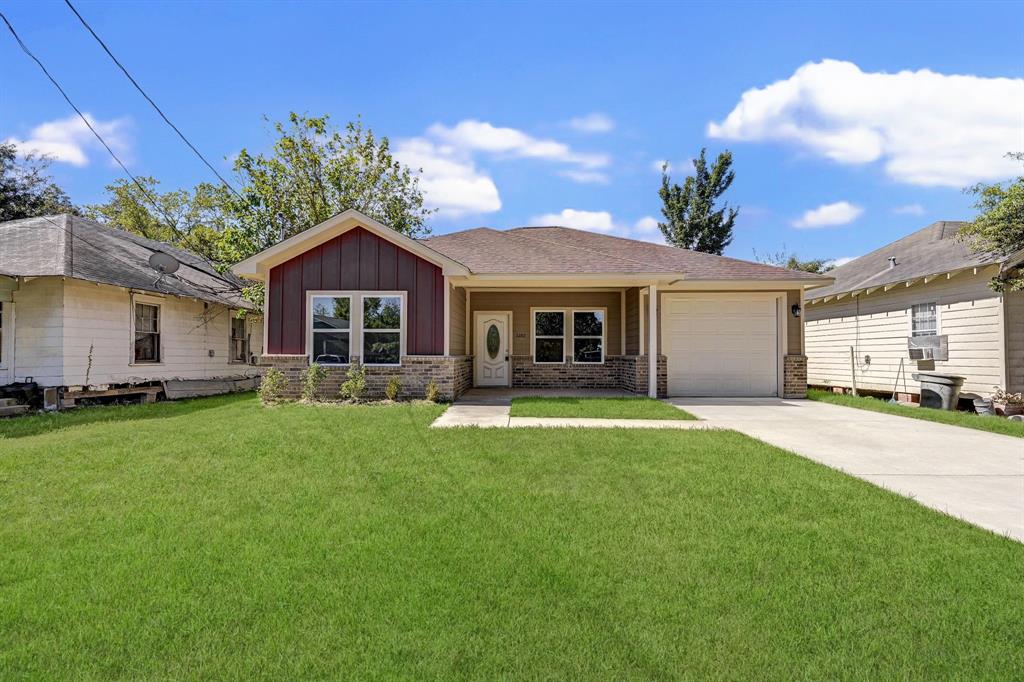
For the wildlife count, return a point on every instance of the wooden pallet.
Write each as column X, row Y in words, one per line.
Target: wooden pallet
column 147, row 394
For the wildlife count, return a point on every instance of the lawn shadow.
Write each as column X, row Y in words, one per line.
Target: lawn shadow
column 40, row 423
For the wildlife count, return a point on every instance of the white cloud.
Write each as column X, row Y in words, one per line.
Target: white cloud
column 646, row 225
column 909, row 209
column 585, row 176
column 593, row 123
column 450, row 180
column 68, row 140
column 927, row 128
column 593, row 221
column 481, row 136
column 827, row 215
column 836, row 262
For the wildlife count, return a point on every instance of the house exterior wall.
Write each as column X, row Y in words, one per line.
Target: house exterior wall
column 633, row 318
column 357, row 260
column 457, row 321
column 71, row 333
column 1014, row 330
column 877, row 325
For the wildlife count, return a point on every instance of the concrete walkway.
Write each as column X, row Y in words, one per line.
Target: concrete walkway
column 490, row 408
column 973, row 475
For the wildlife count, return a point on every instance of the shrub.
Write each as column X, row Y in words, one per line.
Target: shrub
column 393, row 388
column 432, row 391
column 354, row 387
column 272, row 386
column 312, row 380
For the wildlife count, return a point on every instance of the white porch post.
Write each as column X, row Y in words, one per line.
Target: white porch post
column 652, row 341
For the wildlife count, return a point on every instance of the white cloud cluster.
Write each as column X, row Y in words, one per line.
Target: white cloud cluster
column 68, row 140
column 909, row 209
column 928, row 128
column 448, row 157
column 829, row 215
column 593, row 123
column 645, row 228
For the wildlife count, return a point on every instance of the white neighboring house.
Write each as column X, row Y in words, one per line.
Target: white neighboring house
column 81, row 309
column 921, row 290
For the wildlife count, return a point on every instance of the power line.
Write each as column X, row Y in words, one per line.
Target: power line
column 150, row 99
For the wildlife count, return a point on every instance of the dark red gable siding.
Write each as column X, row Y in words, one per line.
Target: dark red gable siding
column 356, row 260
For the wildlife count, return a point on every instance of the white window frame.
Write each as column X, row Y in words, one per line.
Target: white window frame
column 158, row 304
column 355, row 329
column 566, row 319
column 6, row 329
column 910, row 317
column 231, row 339
column 604, row 334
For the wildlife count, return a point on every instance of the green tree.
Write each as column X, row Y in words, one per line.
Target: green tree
column 692, row 220
column 26, row 190
column 313, row 172
column 192, row 220
column 999, row 227
column 791, row 261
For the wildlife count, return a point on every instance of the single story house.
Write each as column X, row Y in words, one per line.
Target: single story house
column 83, row 314
column 923, row 301
column 528, row 307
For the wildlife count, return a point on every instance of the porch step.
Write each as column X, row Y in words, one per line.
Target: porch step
column 7, row 402
column 13, row 410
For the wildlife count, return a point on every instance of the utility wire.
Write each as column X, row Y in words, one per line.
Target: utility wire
column 150, row 99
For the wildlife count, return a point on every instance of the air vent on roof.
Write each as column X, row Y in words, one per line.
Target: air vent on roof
column 892, row 262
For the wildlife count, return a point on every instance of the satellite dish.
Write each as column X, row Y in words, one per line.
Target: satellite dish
column 164, row 263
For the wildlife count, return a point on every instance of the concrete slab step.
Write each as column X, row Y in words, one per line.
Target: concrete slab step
column 13, row 410
column 7, row 402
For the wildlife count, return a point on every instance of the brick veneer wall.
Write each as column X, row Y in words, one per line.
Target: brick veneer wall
column 794, row 376
column 453, row 375
column 628, row 372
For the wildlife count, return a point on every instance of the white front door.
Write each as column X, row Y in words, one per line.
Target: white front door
column 721, row 344
column 491, row 362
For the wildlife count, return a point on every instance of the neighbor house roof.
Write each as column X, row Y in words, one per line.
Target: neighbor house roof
column 931, row 251
column 70, row 246
column 556, row 250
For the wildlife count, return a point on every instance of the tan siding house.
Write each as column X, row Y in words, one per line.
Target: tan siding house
column 859, row 327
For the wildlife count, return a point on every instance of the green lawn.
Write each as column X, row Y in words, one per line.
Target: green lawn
column 603, row 408
column 216, row 539
column 965, row 419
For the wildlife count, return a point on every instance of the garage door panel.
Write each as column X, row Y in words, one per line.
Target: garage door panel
column 723, row 345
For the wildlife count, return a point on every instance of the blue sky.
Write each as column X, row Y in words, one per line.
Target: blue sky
column 851, row 124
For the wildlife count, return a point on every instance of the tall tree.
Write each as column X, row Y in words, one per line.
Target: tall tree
column 191, row 220
column 313, row 172
column 26, row 190
column 999, row 227
column 692, row 219
column 791, row 261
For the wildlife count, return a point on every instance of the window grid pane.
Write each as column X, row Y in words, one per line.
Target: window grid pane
column 549, row 336
column 924, row 321
column 332, row 312
column 331, row 347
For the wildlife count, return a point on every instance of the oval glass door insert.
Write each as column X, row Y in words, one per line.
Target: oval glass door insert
column 493, row 341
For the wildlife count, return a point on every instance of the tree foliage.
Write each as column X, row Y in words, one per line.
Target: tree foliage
column 999, row 227
column 791, row 261
column 26, row 190
column 313, row 172
column 692, row 218
column 192, row 220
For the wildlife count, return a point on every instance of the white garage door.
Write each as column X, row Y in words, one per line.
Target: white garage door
column 721, row 345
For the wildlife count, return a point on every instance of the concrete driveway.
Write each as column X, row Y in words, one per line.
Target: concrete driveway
column 973, row 475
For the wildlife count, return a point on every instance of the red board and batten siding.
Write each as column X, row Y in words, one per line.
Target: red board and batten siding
column 356, row 260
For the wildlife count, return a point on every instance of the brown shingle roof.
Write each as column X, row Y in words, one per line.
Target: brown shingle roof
column 558, row 250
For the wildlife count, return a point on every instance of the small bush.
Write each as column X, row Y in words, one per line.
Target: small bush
column 355, row 386
column 432, row 392
column 393, row 388
column 272, row 386
column 312, row 380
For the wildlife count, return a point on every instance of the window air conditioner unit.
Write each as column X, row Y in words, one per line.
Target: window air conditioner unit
column 928, row 347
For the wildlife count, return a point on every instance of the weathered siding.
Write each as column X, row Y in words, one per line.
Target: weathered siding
column 356, row 260
column 878, row 325
column 38, row 331
column 520, row 302
column 1014, row 326
column 457, row 321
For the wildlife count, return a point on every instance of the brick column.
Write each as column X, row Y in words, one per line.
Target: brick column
column 794, row 376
